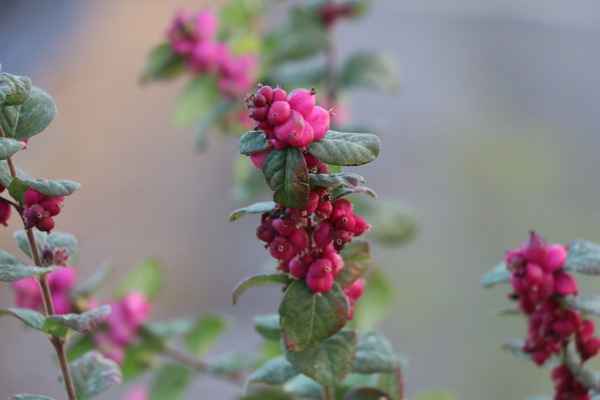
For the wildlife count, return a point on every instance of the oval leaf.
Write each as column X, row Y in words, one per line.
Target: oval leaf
column 146, row 278
column 23, row 241
column 8, row 147
column 30, row 118
column 25, row 396
column 14, row 90
column 308, row 318
column 93, row 373
column 54, row 329
column 328, row 363
column 256, row 208
column 303, row 386
column 267, row 326
column 52, row 188
column 339, row 148
column 12, row 269
column 84, row 322
column 32, row 318
column 206, row 332
column 253, row 142
column 162, row 64
column 366, row 393
column 171, row 382
column 198, row 98
column 498, row 274
column 370, row 70
column 286, row 174
column 588, row 304
column 276, row 371
column 357, row 259
column 583, row 257
column 257, row 280
column 334, row 181
column 374, row 354
column 392, row 222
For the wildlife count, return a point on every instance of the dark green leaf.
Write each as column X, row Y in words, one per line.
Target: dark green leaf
column 374, row 354
column 30, row 118
column 147, row 278
column 25, row 396
column 52, row 188
column 267, row 326
column 583, row 257
column 259, row 280
column 205, row 334
column 588, row 304
column 198, row 98
column 308, row 318
column 498, row 274
column 370, row 70
column 329, row 362
column 84, row 322
column 256, row 208
column 357, row 259
column 334, row 181
column 303, row 386
column 366, row 393
column 275, row 372
column 169, row 329
column 17, row 189
column 392, row 222
column 53, row 328
column 93, row 374
column 171, row 382
column 375, row 301
column 32, row 318
column 23, row 241
column 162, row 64
column 89, row 286
column 12, row 269
column 286, row 174
column 339, row 148
column 14, row 90
column 253, row 142
column 8, row 147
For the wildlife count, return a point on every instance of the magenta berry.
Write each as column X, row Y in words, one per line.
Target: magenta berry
column 258, row 159
column 533, row 274
column 299, row 239
column 321, row 284
column 534, row 248
column 322, row 234
column 51, row 205
column 355, row 290
column 259, row 113
column 279, row 112
column 267, row 92
column 279, row 94
column 298, row 268
column 280, row 248
column 265, row 232
column 320, row 267
column 5, row 212
column 555, row 257
column 32, row 197
column 319, row 119
column 45, row 224
column 564, row 284
column 292, row 130
column 284, row 227
column 302, row 100
column 307, row 137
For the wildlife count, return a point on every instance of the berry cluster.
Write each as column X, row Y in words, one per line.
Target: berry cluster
column 193, row 37
column 539, row 282
column 122, row 325
column 29, row 295
column 39, row 210
column 5, row 209
column 566, row 386
column 288, row 120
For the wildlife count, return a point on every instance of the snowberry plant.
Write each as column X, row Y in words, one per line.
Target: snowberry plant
column 560, row 332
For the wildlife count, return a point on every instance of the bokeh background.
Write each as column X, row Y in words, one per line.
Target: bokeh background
column 494, row 133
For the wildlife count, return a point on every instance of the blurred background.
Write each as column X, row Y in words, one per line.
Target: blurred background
column 494, row 133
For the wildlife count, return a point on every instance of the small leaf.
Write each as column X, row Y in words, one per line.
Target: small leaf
column 588, row 304
column 275, row 372
column 12, row 269
column 52, row 188
column 167, row 330
column 370, row 70
column 171, row 382
column 84, row 322
column 366, row 393
column 308, row 318
column 303, row 386
column 31, row 318
column 30, row 118
column 25, row 396
column 286, row 174
column 162, row 64
column 357, row 259
column 93, row 374
column 267, row 326
column 23, row 241
column 14, row 90
column 199, row 96
column 339, row 148
column 374, row 354
column 253, row 142
column 53, row 328
column 257, row 280
column 498, row 274
column 146, row 278
column 9, row 147
column 205, row 334
column 583, row 257
column 256, row 208
column 329, row 362
column 334, row 181
column 17, row 189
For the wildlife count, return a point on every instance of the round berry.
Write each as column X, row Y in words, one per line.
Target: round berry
column 279, row 94
column 279, row 112
column 319, row 119
column 320, row 267
column 292, row 130
column 323, row 284
column 32, row 197
column 302, row 100
column 267, row 92
column 45, row 224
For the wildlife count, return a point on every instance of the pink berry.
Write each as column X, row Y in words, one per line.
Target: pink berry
column 258, row 159
column 534, row 248
column 46, row 224
column 323, row 284
column 564, row 284
column 279, row 94
column 302, row 100
column 259, row 113
column 265, row 232
column 299, row 239
column 312, row 161
column 324, row 209
column 319, row 119
column 280, row 248
column 555, row 258
column 279, row 112
column 284, row 227
column 320, row 267
column 258, row 100
column 322, row 234
column 207, row 25
column 345, row 222
column 5, row 212
column 279, row 144
column 533, row 274
column 298, row 268
column 360, row 225
column 313, row 202
column 341, row 207
column 32, row 197
column 292, row 130
column 51, row 205
column 307, row 137
column 267, row 92
column 355, row 290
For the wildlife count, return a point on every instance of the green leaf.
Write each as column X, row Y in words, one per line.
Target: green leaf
column 506, row 312
column 436, row 396
column 162, row 64
column 339, row 148
column 256, row 208
column 89, row 286
column 498, row 274
column 206, row 332
column 84, row 322
column 147, row 278
column 55, row 329
column 334, row 181
column 93, row 374
column 253, row 142
column 366, row 393
column 198, row 98
column 329, row 362
column 587, row 377
column 30, row 118
column 23, row 241
column 25, row 396
column 341, row 192
column 219, row 112
column 357, row 259
column 31, row 318
column 370, row 70
column 257, row 280
column 583, row 257
column 286, row 174
column 9, row 147
column 239, row 15
column 12, row 269
column 375, row 301
column 139, row 357
column 52, row 188
column 299, row 75
column 375, row 354
column 308, row 318
column 171, row 382
column 267, row 326
column 392, row 222
column 275, row 372
column 14, row 90
column 60, row 240
column 79, row 344
column 167, row 330
column 17, row 189
column 5, row 176
column 303, row 386
column 587, row 304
